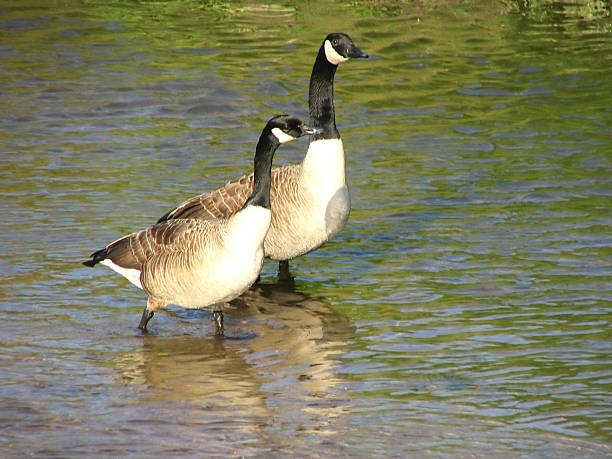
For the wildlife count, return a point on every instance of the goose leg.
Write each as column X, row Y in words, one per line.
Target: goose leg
column 218, row 319
column 153, row 304
column 147, row 314
column 283, row 271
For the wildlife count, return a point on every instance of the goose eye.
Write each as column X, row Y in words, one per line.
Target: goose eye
column 335, row 41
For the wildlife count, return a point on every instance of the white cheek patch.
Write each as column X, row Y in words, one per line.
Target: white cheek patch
column 281, row 136
column 332, row 55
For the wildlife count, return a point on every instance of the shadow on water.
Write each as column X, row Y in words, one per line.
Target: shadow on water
column 274, row 369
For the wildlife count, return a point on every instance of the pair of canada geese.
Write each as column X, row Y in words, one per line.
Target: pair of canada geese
column 211, row 248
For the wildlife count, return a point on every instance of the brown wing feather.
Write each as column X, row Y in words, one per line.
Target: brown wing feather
column 221, row 203
column 134, row 250
column 229, row 199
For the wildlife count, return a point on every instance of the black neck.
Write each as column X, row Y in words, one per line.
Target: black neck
column 264, row 153
column 321, row 97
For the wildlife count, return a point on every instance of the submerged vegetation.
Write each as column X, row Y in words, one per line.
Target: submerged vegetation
column 539, row 10
column 546, row 10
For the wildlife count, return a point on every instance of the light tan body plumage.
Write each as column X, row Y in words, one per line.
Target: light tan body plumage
column 193, row 263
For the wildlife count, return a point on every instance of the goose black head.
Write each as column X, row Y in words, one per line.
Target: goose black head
column 287, row 128
column 340, row 48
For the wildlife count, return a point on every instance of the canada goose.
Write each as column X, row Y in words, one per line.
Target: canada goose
column 201, row 263
column 310, row 201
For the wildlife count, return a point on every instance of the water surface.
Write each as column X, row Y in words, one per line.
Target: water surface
column 463, row 311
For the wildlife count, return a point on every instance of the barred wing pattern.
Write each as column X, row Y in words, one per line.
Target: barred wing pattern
column 221, row 203
column 162, row 240
column 229, row 199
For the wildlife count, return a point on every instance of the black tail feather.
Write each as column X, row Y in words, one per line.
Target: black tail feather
column 164, row 217
column 96, row 258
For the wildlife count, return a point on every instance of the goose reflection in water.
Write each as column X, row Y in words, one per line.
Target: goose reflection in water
column 274, row 366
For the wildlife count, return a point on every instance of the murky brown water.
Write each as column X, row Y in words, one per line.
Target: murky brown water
column 464, row 310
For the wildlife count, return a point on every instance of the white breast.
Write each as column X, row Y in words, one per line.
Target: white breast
column 240, row 263
column 324, row 176
column 314, row 209
column 248, row 229
column 323, row 169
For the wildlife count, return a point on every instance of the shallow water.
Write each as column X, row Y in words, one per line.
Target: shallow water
column 463, row 311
